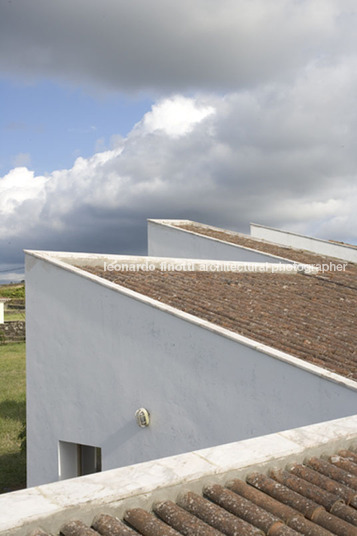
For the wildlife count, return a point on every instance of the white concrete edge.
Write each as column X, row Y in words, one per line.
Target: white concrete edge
column 179, row 264
column 50, row 505
column 329, row 242
column 170, row 223
column 264, row 349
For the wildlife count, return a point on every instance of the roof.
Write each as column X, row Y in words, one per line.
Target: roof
column 343, row 243
column 310, row 316
column 347, row 275
column 316, row 498
column 209, row 473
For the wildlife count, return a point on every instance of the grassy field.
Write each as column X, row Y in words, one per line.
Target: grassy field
column 15, row 292
column 14, row 315
column 12, row 416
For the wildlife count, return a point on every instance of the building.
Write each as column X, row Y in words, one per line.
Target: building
column 215, row 352
column 2, row 309
column 300, row 481
column 186, row 238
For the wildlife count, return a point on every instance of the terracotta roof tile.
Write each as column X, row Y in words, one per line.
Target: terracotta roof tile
column 309, row 316
column 217, row 516
column 187, row 523
column 326, row 483
column 247, row 510
column 111, row 526
column 277, row 504
column 333, row 472
column 290, row 253
column 288, row 515
column 149, row 525
column 308, row 508
column 345, row 464
column 331, row 502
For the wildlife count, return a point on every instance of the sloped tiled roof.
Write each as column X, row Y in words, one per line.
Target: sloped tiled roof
column 317, row 498
column 348, row 276
column 312, row 317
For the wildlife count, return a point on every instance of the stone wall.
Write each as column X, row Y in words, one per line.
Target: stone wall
column 12, row 332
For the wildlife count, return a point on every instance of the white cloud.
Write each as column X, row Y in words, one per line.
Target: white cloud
column 18, row 187
column 267, row 156
column 176, row 116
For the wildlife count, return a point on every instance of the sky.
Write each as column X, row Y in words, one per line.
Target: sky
column 224, row 112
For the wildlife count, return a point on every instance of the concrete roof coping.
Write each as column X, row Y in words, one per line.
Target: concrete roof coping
column 292, row 233
column 114, row 491
column 199, row 225
column 170, row 222
column 146, row 263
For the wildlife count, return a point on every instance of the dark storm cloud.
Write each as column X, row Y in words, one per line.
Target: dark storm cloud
column 166, row 45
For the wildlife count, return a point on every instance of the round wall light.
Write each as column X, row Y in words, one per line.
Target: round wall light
column 142, row 417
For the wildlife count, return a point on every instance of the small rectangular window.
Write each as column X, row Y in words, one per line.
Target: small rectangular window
column 78, row 460
column 89, row 460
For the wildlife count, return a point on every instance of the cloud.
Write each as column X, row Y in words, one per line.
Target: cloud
column 254, row 118
column 11, row 277
column 17, row 188
column 281, row 156
column 170, row 46
column 22, row 159
column 176, row 116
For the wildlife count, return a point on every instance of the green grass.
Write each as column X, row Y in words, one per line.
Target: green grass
column 12, row 416
column 14, row 315
column 13, row 291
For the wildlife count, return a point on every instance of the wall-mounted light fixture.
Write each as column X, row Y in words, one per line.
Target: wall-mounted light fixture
column 142, row 417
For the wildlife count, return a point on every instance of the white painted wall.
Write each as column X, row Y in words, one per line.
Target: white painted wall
column 2, row 312
column 96, row 354
column 67, row 460
column 316, row 245
column 142, row 485
column 165, row 240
